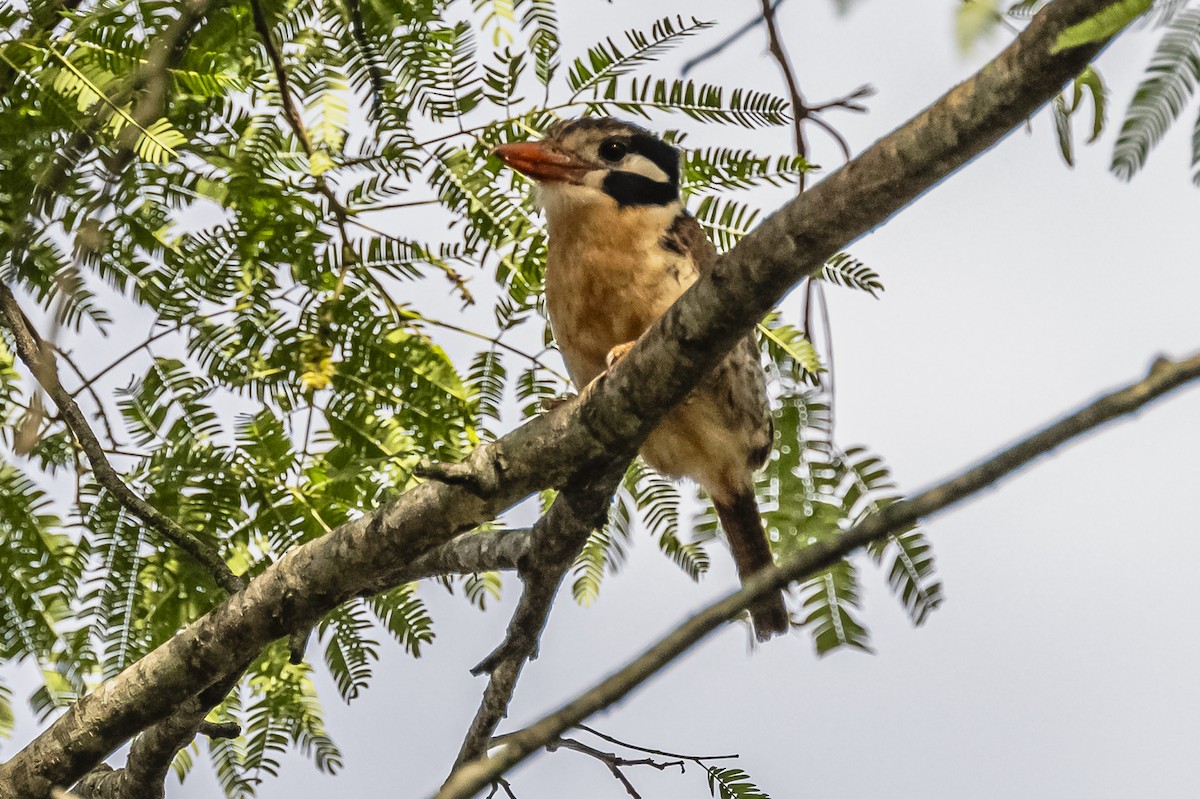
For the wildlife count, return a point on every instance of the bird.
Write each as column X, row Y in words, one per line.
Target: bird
column 621, row 250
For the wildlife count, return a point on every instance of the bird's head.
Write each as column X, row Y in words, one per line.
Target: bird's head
column 598, row 160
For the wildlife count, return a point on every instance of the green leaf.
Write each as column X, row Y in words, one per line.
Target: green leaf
column 732, row 783
column 975, row 20
column 1171, row 80
column 1090, row 81
column 843, row 269
column 1101, row 26
column 8, row 721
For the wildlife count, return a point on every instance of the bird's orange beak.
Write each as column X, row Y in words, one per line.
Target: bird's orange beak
column 541, row 162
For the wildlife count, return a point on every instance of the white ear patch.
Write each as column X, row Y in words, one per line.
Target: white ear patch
column 641, row 165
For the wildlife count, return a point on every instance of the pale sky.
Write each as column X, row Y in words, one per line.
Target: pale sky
column 1063, row 661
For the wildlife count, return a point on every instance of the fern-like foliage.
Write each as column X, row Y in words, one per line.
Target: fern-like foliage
column 1171, row 80
column 732, row 783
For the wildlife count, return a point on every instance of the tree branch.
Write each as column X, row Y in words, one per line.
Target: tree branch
column 1164, row 376
column 153, row 751
column 800, row 110
column 605, row 425
column 39, row 358
column 555, row 542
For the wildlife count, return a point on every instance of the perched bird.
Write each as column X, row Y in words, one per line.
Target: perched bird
column 621, row 250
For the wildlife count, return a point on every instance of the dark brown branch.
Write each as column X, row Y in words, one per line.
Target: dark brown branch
column 153, row 751
column 555, row 541
column 800, row 110
column 101, row 414
column 1165, row 376
column 290, row 111
column 39, row 358
column 606, row 425
column 613, row 762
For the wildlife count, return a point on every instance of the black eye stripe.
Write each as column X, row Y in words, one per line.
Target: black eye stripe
column 630, row 189
column 661, row 154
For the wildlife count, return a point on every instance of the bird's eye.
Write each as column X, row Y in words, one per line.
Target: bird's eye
column 613, row 150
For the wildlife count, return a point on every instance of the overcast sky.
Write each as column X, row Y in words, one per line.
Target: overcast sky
column 1064, row 660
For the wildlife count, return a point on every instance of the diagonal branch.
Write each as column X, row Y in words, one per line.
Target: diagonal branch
column 555, row 541
column 150, row 757
column 39, row 357
column 1165, row 376
column 607, row 424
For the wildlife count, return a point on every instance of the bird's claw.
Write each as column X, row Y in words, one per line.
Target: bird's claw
column 617, row 353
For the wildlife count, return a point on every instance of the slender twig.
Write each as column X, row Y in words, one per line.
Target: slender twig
column 494, row 340
column 290, row 111
column 612, row 761
column 721, row 46
column 39, row 358
column 501, row 785
column 800, row 110
column 375, row 74
column 367, row 209
column 101, row 414
column 661, row 753
column 1164, row 377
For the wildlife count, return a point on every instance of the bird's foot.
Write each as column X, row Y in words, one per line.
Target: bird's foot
column 550, row 403
column 617, row 353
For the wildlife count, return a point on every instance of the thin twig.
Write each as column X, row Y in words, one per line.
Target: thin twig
column 659, row 752
column 800, row 110
column 1164, row 377
column 614, row 763
column 39, row 358
column 721, row 46
column 101, row 414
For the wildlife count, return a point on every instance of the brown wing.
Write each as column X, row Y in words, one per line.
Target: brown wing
column 741, row 370
column 686, row 237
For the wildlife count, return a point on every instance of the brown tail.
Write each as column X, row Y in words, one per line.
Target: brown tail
column 751, row 552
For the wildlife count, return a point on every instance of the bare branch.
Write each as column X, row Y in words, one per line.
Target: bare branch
column 555, row 542
column 101, row 413
column 1164, row 377
column 697, row 758
column 800, row 110
column 721, row 46
column 39, row 358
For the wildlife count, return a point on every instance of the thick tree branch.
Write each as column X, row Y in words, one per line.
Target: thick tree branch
column 1164, row 376
column 606, row 425
column 150, row 757
column 39, row 358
